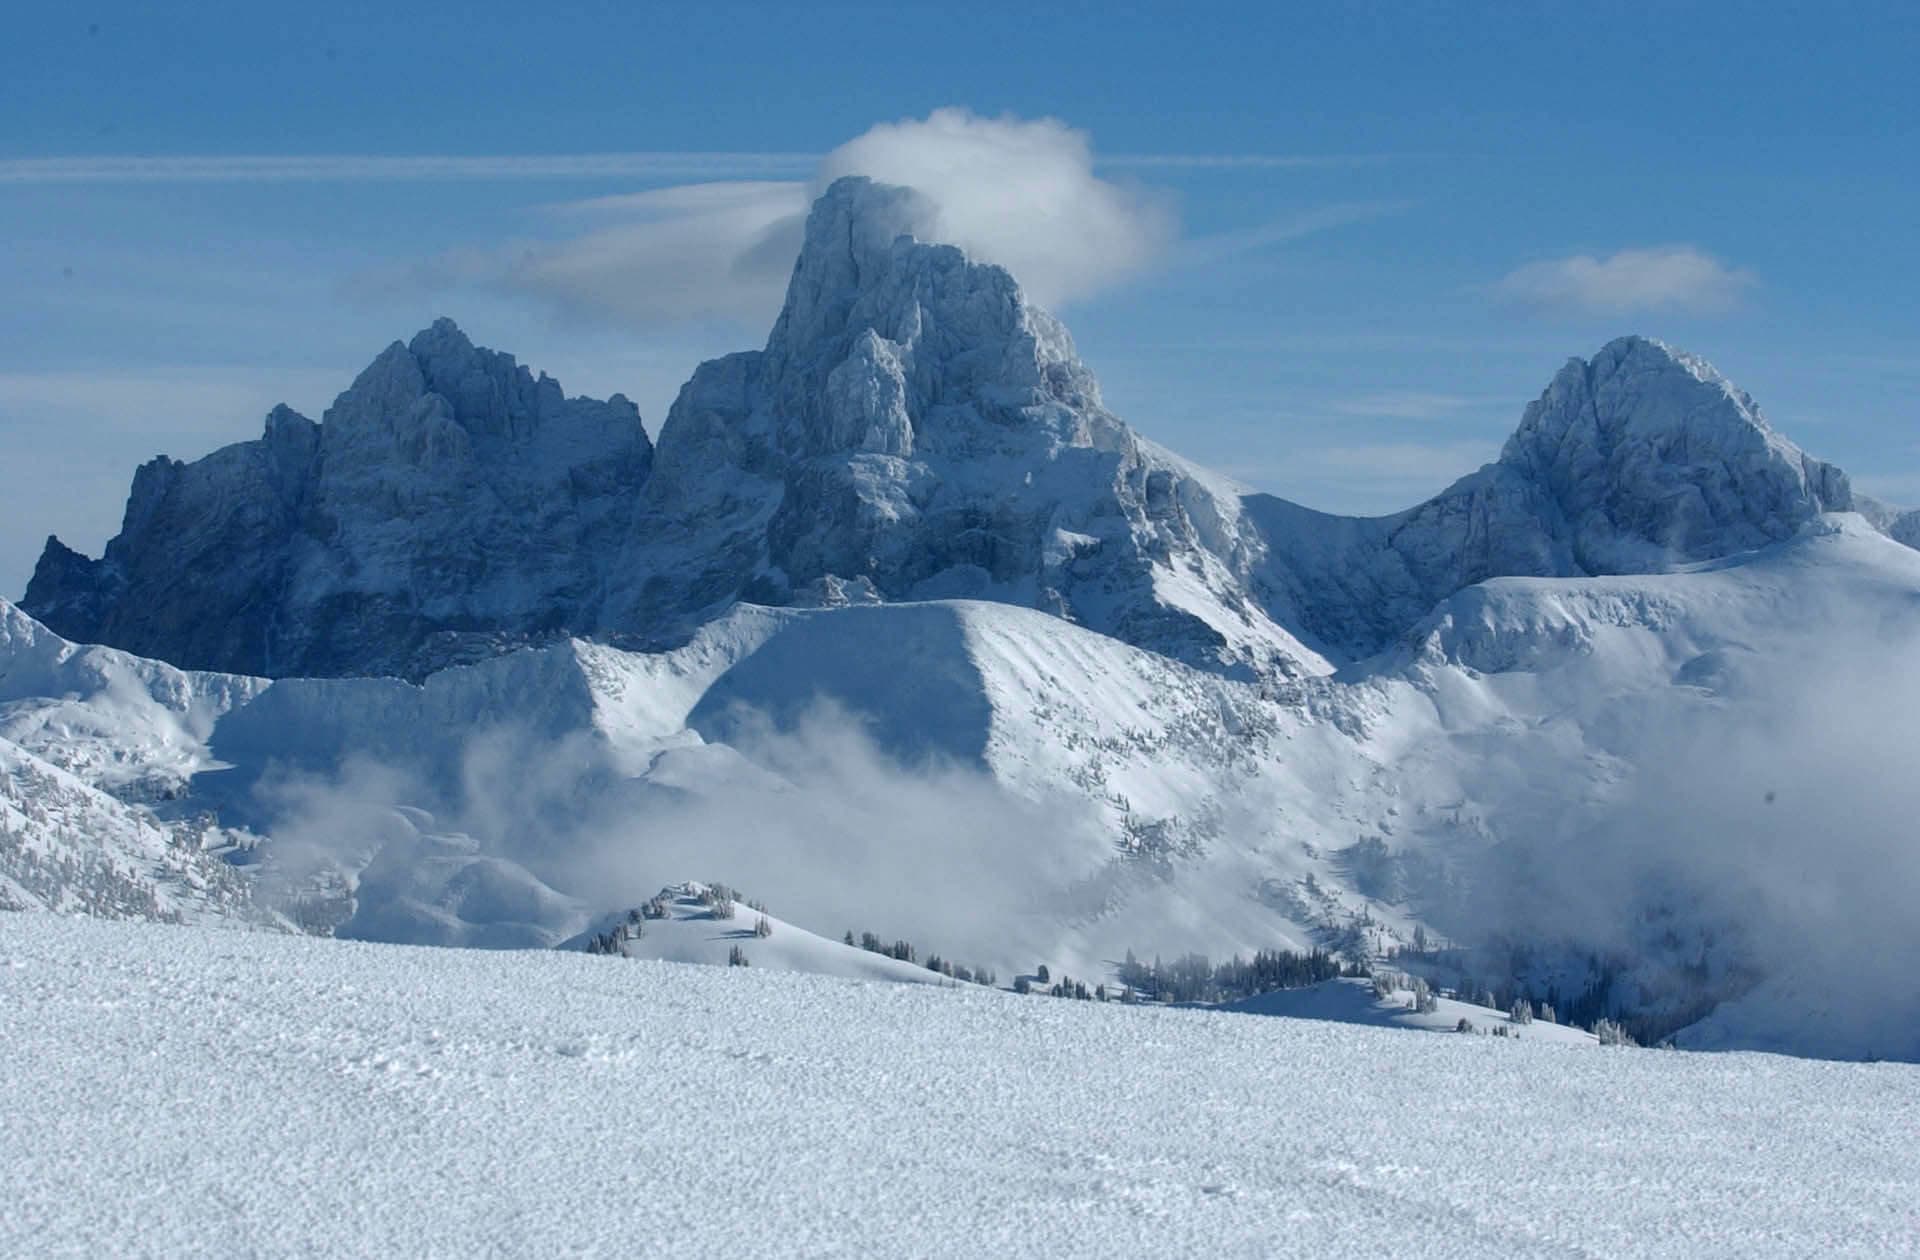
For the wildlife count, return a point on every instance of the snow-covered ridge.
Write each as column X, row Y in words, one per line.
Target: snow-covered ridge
column 709, row 925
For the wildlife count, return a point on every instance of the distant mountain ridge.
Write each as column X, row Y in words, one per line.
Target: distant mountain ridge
column 913, row 429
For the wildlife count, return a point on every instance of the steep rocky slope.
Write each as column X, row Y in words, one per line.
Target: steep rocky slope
column 448, row 503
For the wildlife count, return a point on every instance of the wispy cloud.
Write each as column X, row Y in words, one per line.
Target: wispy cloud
column 1244, row 161
column 1665, row 277
column 1291, row 227
column 294, row 168
column 359, row 167
column 1021, row 193
column 684, row 254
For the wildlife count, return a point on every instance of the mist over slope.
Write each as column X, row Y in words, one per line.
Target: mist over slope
column 898, row 629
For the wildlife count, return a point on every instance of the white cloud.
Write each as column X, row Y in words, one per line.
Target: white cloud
column 1019, row 193
column 673, row 255
column 1664, row 277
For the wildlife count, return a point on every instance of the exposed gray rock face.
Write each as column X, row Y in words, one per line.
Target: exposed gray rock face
column 1653, row 458
column 1906, row 529
column 916, row 429
column 447, row 502
column 1639, row 459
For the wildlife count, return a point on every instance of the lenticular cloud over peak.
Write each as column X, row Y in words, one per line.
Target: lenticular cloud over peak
column 1018, row 192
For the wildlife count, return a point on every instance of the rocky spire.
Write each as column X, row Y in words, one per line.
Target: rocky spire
column 1652, row 457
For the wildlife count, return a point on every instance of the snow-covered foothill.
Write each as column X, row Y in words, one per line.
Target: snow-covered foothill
column 691, row 927
column 1009, row 788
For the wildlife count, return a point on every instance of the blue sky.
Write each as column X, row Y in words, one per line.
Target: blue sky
column 1333, row 251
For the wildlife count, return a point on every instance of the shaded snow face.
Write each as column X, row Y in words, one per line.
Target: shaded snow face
column 532, row 838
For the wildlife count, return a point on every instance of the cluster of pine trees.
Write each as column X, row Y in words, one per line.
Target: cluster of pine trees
column 905, row 951
column 615, row 938
column 1195, row 978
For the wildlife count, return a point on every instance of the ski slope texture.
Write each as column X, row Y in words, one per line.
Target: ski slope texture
column 184, row 1091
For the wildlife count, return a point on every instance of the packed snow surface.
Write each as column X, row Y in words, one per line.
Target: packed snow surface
column 179, row 1091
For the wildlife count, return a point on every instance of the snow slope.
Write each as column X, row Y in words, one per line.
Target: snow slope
column 68, row 847
column 180, row 1092
column 1348, row 1001
column 1008, row 789
column 690, row 932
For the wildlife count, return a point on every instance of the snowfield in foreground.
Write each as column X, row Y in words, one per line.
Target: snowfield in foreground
column 190, row 1091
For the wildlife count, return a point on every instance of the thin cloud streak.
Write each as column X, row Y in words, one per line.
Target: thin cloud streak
column 1245, row 161
column 1221, row 246
column 426, row 167
column 347, row 168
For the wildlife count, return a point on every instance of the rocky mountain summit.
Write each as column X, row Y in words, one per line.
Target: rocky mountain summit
column 916, row 429
column 447, row 501
column 1637, row 460
column 913, row 429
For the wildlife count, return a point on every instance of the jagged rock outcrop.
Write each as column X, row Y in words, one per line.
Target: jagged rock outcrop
column 1635, row 461
column 449, row 501
column 916, row 429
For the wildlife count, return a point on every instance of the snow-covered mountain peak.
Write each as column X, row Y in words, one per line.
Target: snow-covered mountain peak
column 881, row 327
column 1652, row 456
column 441, row 378
column 448, row 502
column 916, row 429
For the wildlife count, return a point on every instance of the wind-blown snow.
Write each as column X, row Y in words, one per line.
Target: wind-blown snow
column 183, row 1092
